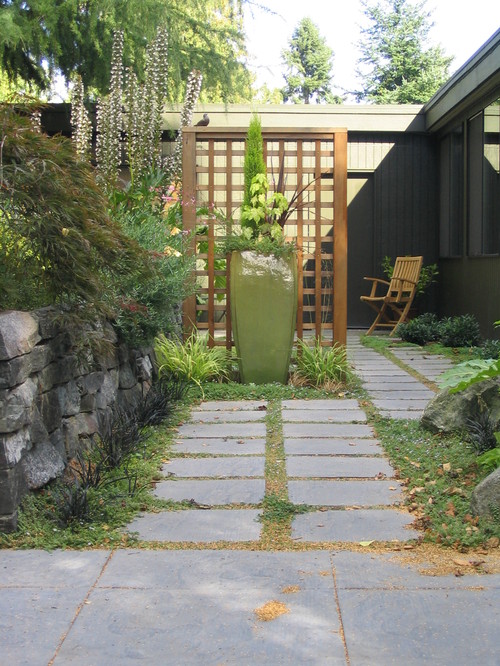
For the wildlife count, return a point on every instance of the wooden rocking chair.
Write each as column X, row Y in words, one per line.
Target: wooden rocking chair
column 393, row 307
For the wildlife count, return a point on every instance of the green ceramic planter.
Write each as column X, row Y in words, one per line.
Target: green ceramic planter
column 263, row 315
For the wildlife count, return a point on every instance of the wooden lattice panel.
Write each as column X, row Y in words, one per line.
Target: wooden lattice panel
column 315, row 165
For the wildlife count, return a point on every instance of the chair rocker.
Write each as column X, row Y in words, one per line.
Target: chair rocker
column 393, row 307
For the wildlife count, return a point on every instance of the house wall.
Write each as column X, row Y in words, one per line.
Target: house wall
column 392, row 209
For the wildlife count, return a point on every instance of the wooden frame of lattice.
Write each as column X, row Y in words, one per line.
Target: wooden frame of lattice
column 213, row 178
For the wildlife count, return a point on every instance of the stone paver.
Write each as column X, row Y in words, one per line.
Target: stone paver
column 231, row 405
column 323, row 416
column 326, row 430
column 337, row 467
column 396, row 403
column 186, row 608
column 353, row 526
column 234, row 466
column 332, row 446
column 345, row 493
column 205, row 416
column 236, row 430
column 213, row 492
column 421, row 394
column 214, row 446
column 329, row 405
column 200, row 526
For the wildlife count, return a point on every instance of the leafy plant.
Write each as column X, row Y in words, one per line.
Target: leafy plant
column 490, row 349
column 322, row 366
column 490, row 460
column 159, row 401
column 481, row 431
column 421, row 330
column 119, row 436
column 55, row 230
column 464, row 374
column 192, row 361
column 460, row 331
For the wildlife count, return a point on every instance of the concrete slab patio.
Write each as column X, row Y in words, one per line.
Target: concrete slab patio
column 190, row 607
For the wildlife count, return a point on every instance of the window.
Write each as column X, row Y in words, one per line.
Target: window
column 483, row 146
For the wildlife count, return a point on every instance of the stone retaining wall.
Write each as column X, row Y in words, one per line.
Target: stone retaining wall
column 50, row 404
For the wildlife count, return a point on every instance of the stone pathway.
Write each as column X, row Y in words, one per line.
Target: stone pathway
column 333, row 462
column 194, row 605
column 396, row 393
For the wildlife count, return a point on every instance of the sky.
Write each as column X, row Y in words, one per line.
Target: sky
column 461, row 27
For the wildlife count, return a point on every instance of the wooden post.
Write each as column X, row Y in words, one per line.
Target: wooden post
column 340, row 238
column 189, row 216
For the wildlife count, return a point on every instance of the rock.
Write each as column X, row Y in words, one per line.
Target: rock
column 144, row 369
column 18, row 334
column 448, row 412
column 127, row 379
column 16, row 371
column 42, row 464
column 69, row 398
column 12, row 447
column 12, row 488
column 485, row 499
column 16, row 406
column 50, row 409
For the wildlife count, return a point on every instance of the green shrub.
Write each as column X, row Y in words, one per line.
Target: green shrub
column 490, row 460
column 460, row 331
column 421, row 330
column 254, row 156
column 192, row 361
column 489, row 349
column 57, row 240
column 151, row 215
column 322, row 366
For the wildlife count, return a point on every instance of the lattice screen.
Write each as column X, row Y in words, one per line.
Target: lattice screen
column 315, row 165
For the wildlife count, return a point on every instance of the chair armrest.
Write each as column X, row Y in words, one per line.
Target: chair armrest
column 375, row 283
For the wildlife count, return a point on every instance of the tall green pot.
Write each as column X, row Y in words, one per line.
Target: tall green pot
column 263, row 315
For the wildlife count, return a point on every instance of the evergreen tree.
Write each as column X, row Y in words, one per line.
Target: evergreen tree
column 395, row 65
column 309, row 63
column 76, row 37
column 254, row 156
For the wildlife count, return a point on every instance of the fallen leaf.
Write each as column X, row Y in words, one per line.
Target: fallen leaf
column 415, row 464
column 408, row 546
column 446, row 467
column 450, row 509
column 392, row 488
column 365, row 543
column 493, row 542
column 430, row 501
column 271, row 611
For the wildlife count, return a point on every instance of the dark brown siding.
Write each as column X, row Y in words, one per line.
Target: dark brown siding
column 471, row 286
column 405, row 213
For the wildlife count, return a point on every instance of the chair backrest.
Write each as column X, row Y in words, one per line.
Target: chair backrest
column 405, row 268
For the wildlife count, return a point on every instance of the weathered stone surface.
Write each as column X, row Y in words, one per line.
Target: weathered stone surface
column 16, row 406
column 485, row 499
column 12, row 447
column 38, row 429
column 88, row 403
column 57, row 440
column 144, row 369
column 109, row 388
column 12, row 488
column 40, row 357
column 50, row 409
column 8, row 522
column 449, row 412
column 47, row 323
column 69, row 398
column 16, row 371
column 93, row 382
column 18, row 334
column 127, row 379
column 42, row 464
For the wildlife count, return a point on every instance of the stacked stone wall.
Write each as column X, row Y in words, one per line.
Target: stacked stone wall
column 51, row 402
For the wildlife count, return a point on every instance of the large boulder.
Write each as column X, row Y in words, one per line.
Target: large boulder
column 485, row 499
column 448, row 412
